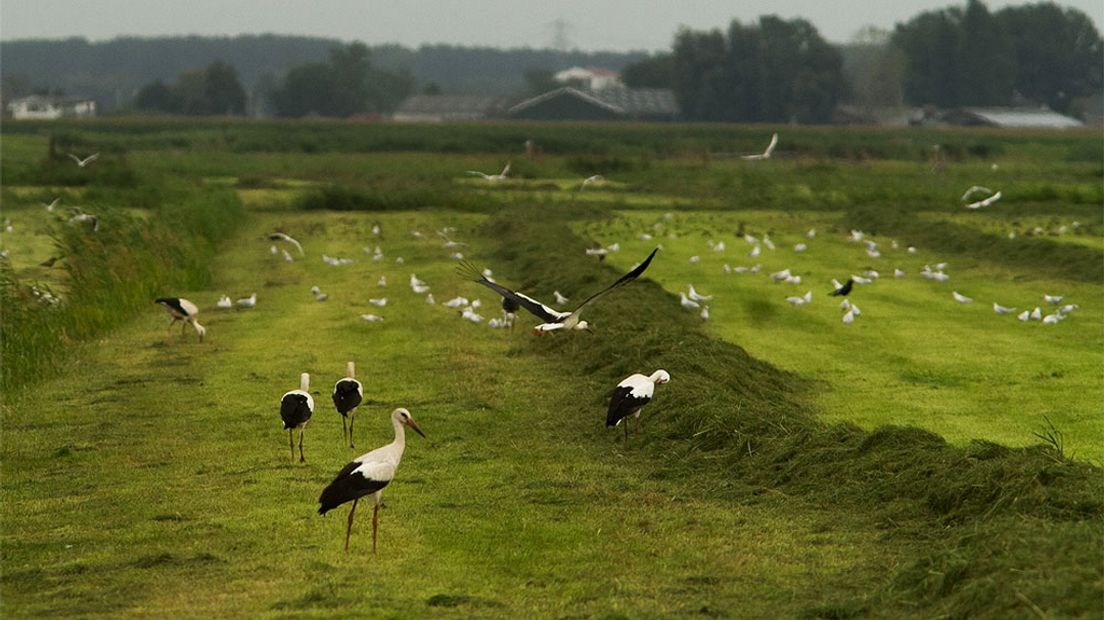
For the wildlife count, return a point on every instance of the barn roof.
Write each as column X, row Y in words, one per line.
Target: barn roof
column 453, row 106
column 628, row 102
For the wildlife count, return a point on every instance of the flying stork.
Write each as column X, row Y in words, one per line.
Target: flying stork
column 296, row 409
column 845, row 290
column 181, row 309
column 347, row 396
column 368, row 474
column 630, row 397
column 553, row 319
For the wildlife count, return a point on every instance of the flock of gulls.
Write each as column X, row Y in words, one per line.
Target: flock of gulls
column 368, row 474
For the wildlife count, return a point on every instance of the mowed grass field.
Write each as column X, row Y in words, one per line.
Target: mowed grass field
column 147, row 474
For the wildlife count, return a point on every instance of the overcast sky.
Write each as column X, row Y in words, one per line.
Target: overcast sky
column 591, row 24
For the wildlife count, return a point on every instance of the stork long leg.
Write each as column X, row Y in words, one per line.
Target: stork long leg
column 349, row 526
column 352, row 418
column 302, row 459
column 626, row 427
column 344, row 430
column 638, row 424
column 291, row 443
column 375, row 525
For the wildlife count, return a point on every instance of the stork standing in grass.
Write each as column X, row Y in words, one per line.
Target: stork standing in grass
column 630, row 397
column 181, row 309
column 296, row 409
column 368, row 474
column 553, row 319
column 347, row 396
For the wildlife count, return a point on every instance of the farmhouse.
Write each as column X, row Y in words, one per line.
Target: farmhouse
column 641, row 104
column 1017, row 118
column 40, row 107
column 441, row 108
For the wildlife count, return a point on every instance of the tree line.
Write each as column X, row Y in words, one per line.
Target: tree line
column 777, row 70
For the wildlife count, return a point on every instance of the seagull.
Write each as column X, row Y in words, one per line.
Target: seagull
column 767, row 242
column 224, row 302
column 381, row 302
column 430, row 300
column 456, row 302
column 849, row 317
column 554, row 319
column 1024, row 316
column 800, row 247
column 296, row 409
column 347, row 396
column 1037, row 313
column 897, row 273
column 779, row 276
column 719, row 246
column 704, row 313
column 1053, row 299
column 376, row 229
column 765, row 154
column 698, row 297
column 471, row 315
column 597, row 178
column 630, row 397
column 810, row 233
column 755, row 251
column 1052, row 319
column 976, row 189
column 279, row 236
column 368, row 474
column 382, row 281
column 181, row 309
column 599, row 252
column 372, row 318
column 801, row 301
column 695, row 259
column 86, row 219
column 984, row 203
column 287, row 256
column 50, row 207
column 84, row 162
column 843, row 290
column 861, row 279
column 492, row 177
column 962, row 299
column 1066, row 309
column 999, row 309
column 687, row 303
column 560, row 299
column 248, row 302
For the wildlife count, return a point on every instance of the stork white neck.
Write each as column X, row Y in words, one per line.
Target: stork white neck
column 350, row 370
column 304, row 382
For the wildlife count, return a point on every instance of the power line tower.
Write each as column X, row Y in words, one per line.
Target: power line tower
column 561, row 34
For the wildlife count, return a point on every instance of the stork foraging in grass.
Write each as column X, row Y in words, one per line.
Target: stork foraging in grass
column 554, row 319
column 630, row 397
column 368, row 474
column 347, row 396
column 181, row 309
column 296, row 409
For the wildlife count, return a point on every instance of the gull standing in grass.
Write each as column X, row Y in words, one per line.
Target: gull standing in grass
column 554, row 319
column 50, row 207
column 687, row 303
column 960, row 298
column 368, row 474
column 296, row 409
column 224, row 303
column 765, row 154
column 248, row 302
column 697, row 296
column 82, row 163
column 630, row 397
column 999, row 309
column 492, row 177
column 181, row 309
column 347, row 396
column 1053, row 299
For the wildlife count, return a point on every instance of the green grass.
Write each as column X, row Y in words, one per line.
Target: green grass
column 915, row 357
column 146, row 475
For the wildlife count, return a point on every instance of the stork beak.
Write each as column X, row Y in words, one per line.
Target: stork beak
column 588, row 330
column 414, row 425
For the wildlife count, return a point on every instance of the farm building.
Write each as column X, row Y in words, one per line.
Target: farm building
column 642, row 104
column 1017, row 118
column 39, row 107
column 441, row 108
column 593, row 78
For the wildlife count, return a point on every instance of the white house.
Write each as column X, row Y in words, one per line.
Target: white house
column 592, row 78
column 39, row 107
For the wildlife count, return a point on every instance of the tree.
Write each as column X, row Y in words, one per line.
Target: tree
column 873, row 70
column 212, row 90
column 984, row 71
column 653, row 72
column 1057, row 52
column 222, row 90
column 157, row 97
column 348, row 84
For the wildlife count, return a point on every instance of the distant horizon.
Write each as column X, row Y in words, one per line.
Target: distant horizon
column 584, row 25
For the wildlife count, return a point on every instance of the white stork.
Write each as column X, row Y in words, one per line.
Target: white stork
column 630, row 397
column 181, row 309
column 554, row 319
column 368, row 474
column 296, row 409
column 347, row 396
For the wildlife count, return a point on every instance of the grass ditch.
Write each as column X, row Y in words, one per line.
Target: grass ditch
column 109, row 275
column 981, row 517
column 1063, row 260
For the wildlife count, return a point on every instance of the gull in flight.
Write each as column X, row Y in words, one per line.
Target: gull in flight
column 962, row 299
column 984, row 203
column 976, row 189
column 279, row 236
column 84, row 162
column 492, row 177
column 554, row 319
column 765, row 154
column 597, row 178
column 50, row 207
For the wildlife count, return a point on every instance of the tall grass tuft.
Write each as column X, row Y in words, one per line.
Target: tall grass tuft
column 110, row 275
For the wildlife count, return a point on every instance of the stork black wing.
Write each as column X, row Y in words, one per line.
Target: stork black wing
column 623, row 404
column 623, row 280
column 346, row 487
column 536, row 308
column 844, row 290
